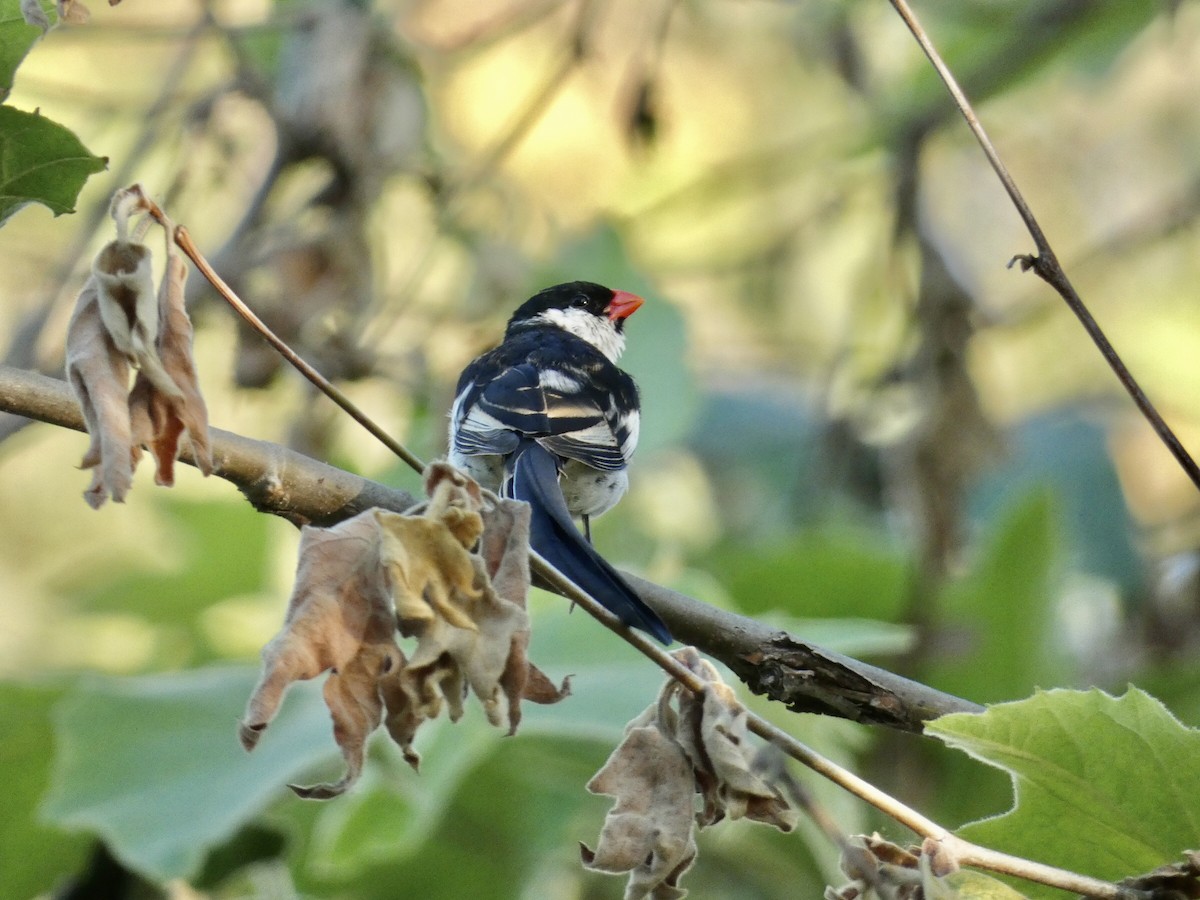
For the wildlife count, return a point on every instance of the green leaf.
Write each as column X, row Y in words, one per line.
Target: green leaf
column 201, row 531
column 41, row 162
column 33, row 857
column 391, row 814
column 16, row 38
column 153, row 764
column 969, row 885
column 827, row 571
column 1001, row 612
column 1104, row 786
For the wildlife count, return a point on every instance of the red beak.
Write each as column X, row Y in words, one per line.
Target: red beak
column 623, row 305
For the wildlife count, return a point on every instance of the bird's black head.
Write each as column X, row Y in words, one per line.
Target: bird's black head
column 586, row 296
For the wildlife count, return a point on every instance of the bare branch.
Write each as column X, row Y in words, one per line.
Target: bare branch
column 274, row 479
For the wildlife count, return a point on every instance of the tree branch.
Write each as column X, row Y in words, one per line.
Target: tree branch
column 804, row 677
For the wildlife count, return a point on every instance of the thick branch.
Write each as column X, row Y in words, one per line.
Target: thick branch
column 274, row 479
column 805, row 677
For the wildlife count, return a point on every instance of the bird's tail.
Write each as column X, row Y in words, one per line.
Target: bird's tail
column 534, row 479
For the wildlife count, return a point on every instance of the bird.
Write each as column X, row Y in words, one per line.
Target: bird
column 547, row 417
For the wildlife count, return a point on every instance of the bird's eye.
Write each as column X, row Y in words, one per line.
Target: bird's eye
column 579, row 300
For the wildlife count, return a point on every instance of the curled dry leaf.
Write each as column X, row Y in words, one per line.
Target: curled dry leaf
column 120, row 322
column 712, row 731
column 475, row 635
column 360, row 581
column 648, row 832
column 99, row 378
column 73, row 12
column 129, row 307
column 681, row 745
column 160, row 419
column 340, row 617
column 880, row 869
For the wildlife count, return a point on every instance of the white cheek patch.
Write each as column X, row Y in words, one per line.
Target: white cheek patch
column 596, row 330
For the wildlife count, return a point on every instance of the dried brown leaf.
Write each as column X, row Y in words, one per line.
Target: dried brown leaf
column 73, row 12
column 121, row 321
column 99, row 378
column 648, row 832
column 713, row 732
column 340, row 617
column 681, row 745
column 472, row 629
column 160, row 419
column 431, row 573
column 881, row 869
column 353, row 697
column 129, row 307
column 540, row 689
column 360, row 582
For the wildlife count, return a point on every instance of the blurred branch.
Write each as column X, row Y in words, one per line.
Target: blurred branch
column 803, row 676
column 1044, row 263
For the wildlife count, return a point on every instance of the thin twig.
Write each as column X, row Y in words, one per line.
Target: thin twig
column 184, row 241
column 1044, row 263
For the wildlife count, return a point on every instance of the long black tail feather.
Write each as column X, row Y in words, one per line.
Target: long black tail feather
column 534, row 479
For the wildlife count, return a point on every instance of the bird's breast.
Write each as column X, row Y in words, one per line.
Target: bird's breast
column 486, row 469
column 591, row 492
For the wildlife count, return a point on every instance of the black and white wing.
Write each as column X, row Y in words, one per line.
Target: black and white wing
column 567, row 410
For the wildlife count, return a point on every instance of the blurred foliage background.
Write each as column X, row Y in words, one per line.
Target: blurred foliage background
column 858, row 422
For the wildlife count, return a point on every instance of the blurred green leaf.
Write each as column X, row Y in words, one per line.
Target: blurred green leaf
column 834, row 570
column 16, row 38
column 508, row 816
column 1071, row 453
column 1105, row 786
column 220, row 549
column 223, row 545
column 394, row 810
column 610, row 681
column 996, row 621
column 968, row 885
column 40, row 162
column 993, row 47
column 33, row 856
column 153, row 764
